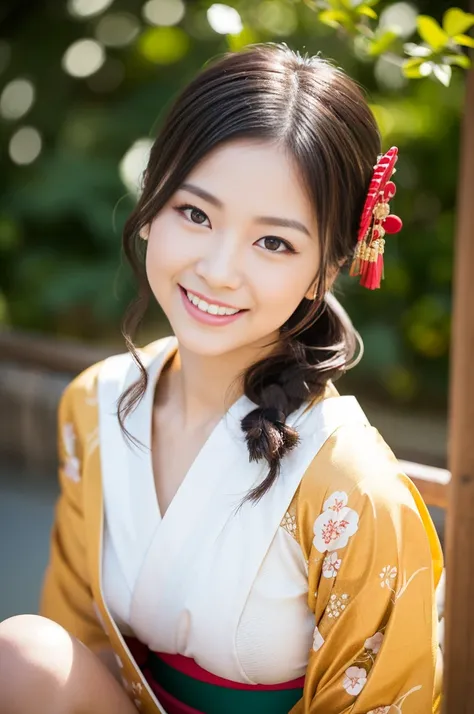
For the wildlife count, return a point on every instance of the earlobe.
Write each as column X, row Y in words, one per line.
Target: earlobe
column 144, row 232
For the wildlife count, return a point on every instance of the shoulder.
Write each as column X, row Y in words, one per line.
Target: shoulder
column 357, row 463
column 355, row 459
column 79, row 401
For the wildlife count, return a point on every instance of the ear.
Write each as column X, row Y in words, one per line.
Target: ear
column 311, row 292
column 331, row 277
column 145, row 232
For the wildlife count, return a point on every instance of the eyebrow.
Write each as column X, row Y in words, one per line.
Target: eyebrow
column 267, row 220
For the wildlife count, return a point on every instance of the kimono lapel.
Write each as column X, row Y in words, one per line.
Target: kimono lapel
column 125, row 465
column 206, row 554
column 132, row 677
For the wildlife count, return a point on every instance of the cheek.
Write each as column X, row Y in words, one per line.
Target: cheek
column 281, row 292
column 166, row 251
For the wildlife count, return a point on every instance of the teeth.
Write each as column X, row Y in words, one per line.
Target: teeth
column 210, row 308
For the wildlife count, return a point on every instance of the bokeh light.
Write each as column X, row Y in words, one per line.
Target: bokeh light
column 389, row 74
column 224, row 19
column 117, row 29
column 25, row 145
column 83, row 58
column 276, row 18
column 17, row 98
column 133, row 164
column 164, row 45
column 88, row 8
column 163, row 12
column 399, row 17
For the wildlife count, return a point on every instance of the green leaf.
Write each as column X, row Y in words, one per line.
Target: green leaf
column 334, row 18
column 431, row 32
column 464, row 40
column 416, row 68
column 383, row 43
column 456, row 21
column 415, row 50
column 443, row 73
column 367, row 11
column 458, row 60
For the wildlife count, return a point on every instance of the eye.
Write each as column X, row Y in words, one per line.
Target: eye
column 193, row 214
column 276, row 245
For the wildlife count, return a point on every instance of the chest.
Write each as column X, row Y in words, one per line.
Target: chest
column 173, row 452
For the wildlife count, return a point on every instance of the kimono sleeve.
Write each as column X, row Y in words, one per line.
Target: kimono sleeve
column 374, row 562
column 66, row 595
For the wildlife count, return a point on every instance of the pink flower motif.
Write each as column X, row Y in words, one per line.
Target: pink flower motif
column 318, row 640
column 333, row 528
column 374, row 643
column 331, row 565
column 354, row 680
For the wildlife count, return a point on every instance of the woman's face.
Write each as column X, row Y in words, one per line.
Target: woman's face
column 239, row 237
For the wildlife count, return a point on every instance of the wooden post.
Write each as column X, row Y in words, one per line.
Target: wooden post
column 459, row 644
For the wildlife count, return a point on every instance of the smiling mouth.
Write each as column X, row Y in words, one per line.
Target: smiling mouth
column 209, row 307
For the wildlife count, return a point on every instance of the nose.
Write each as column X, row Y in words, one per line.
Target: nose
column 220, row 265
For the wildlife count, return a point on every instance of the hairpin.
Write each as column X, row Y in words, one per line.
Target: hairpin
column 375, row 222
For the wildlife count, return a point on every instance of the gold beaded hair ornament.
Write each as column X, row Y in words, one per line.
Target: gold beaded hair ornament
column 375, row 222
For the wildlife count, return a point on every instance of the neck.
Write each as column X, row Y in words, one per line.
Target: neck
column 204, row 387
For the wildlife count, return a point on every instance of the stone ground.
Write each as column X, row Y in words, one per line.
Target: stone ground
column 26, row 513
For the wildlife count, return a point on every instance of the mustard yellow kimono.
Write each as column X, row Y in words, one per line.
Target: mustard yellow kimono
column 371, row 553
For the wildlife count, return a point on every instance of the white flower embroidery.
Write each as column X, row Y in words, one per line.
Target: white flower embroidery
column 336, row 604
column 387, row 576
column 136, row 689
column 72, row 465
column 336, row 524
column 354, row 680
column 374, row 643
column 318, row 640
column 331, row 565
column 336, row 501
column 379, row 710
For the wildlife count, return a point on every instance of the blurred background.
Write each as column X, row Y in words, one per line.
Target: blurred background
column 84, row 85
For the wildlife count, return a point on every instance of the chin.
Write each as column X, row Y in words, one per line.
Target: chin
column 206, row 344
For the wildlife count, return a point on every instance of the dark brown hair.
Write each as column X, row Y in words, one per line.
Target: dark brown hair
column 320, row 115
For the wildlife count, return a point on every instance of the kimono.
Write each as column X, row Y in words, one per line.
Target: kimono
column 326, row 584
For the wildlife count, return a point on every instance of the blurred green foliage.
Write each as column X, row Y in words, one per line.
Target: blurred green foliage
column 65, row 192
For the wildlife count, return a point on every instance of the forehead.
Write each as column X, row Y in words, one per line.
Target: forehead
column 257, row 177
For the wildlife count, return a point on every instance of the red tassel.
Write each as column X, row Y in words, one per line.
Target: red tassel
column 372, row 274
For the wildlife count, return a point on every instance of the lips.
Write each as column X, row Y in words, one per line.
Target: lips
column 195, row 296
column 209, row 313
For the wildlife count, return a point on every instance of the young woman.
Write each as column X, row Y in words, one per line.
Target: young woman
column 232, row 535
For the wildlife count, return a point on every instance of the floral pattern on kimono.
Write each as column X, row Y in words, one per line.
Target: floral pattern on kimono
column 356, row 518
column 371, row 590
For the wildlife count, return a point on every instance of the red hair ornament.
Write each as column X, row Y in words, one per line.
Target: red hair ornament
column 375, row 222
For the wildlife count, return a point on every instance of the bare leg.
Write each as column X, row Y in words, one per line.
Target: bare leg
column 45, row 670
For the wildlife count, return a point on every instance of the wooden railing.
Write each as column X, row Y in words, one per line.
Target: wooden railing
column 71, row 358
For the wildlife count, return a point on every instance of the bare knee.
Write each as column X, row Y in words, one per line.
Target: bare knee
column 36, row 658
column 43, row 669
